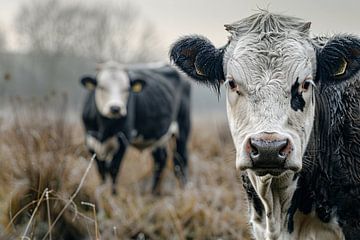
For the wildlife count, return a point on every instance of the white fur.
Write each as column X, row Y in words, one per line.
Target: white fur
column 310, row 227
column 265, row 94
column 275, row 195
column 104, row 151
column 140, row 143
column 113, row 86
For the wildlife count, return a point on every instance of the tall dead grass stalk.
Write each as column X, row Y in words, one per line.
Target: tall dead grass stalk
column 95, row 218
column 71, row 200
column 48, row 212
column 33, row 214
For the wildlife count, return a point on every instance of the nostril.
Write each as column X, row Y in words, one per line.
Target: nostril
column 284, row 149
column 254, row 151
column 282, row 155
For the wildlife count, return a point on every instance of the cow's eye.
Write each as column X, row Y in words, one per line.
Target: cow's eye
column 306, row 85
column 233, row 86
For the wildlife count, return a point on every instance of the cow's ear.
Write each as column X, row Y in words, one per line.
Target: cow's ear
column 137, row 85
column 89, row 82
column 338, row 60
column 199, row 59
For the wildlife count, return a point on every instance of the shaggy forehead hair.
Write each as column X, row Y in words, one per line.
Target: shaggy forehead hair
column 267, row 23
column 270, row 40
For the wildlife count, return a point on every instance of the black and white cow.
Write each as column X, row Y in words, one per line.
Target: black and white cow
column 293, row 106
column 140, row 105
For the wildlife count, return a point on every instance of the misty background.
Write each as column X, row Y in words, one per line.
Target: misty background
column 47, row 45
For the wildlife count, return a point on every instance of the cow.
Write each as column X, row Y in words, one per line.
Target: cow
column 142, row 105
column 293, row 107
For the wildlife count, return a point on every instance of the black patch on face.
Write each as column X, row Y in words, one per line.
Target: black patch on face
column 297, row 100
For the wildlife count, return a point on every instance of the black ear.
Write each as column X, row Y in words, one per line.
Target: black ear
column 198, row 58
column 137, row 85
column 338, row 60
column 89, row 82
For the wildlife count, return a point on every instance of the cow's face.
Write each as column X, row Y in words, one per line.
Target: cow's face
column 271, row 69
column 112, row 92
column 112, row 87
column 270, row 101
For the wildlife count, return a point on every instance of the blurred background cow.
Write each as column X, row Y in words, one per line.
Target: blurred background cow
column 139, row 105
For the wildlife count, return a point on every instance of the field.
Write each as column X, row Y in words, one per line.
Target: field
column 50, row 188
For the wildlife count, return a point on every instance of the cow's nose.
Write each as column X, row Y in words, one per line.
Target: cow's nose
column 269, row 150
column 115, row 110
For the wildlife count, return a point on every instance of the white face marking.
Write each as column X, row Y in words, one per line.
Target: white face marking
column 264, row 72
column 112, row 91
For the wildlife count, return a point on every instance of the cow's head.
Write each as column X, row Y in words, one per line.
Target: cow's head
column 112, row 87
column 271, row 69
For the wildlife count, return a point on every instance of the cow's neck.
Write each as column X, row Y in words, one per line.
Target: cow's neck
column 275, row 195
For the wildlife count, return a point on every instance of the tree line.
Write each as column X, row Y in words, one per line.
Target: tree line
column 98, row 31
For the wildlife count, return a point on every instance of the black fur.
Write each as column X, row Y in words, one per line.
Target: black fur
column 149, row 113
column 297, row 100
column 198, row 58
column 332, row 55
column 331, row 185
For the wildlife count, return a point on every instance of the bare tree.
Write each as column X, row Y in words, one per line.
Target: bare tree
column 106, row 31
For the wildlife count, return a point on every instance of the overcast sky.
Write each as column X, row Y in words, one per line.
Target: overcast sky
column 173, row 18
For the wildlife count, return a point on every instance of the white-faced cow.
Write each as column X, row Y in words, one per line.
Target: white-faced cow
column 293, row 106
column 140, row 105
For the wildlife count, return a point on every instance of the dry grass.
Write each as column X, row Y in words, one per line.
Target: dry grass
column 43, row 161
